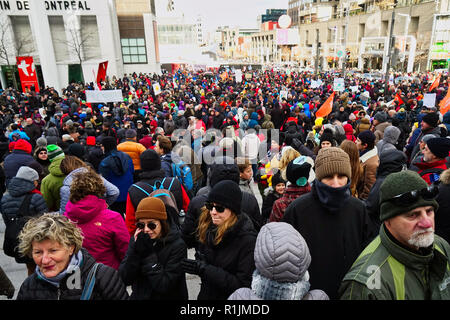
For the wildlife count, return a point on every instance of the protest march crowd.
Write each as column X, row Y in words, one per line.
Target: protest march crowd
column 101, row 201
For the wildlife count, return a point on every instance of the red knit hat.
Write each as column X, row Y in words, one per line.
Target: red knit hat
column 90, row 141
column 23, row 145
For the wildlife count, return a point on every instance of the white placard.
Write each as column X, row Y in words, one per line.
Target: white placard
column 354, row 88
column 238, row 75
column 315, row 84
column 98, row 96
column 283, row 94
column 156, row 88
column 339, row 84
column 429, row 100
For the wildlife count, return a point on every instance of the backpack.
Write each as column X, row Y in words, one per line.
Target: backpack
column 183, row 172
column 173, row 214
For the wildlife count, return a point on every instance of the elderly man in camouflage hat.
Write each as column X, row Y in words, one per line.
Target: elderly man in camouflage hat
column 407, row 261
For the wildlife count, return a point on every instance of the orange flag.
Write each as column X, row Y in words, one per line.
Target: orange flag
column 435, row 83
column 445, row 103
column 326, row 108
column 399, row 99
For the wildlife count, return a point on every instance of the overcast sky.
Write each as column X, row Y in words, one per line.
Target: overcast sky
column 242, row 13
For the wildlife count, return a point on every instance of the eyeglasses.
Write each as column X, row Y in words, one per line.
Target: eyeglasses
column 407, row 198
column 218, row 207
column 150, row 225
column 43, row 152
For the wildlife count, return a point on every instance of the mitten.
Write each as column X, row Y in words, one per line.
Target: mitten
column 193, row 266
column 143, row 245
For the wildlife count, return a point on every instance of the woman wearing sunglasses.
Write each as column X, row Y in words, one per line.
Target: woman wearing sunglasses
column 224, row 260
column 152, row 265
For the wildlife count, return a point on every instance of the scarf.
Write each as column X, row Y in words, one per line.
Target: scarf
column 75, row 262
column 268, row 289
column 331, row 198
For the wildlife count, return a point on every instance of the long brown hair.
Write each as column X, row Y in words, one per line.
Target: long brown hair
column 357, row 171
column 205, row 221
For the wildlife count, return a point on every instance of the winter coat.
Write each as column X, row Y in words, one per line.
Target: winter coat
column 159, row 275
column 369, row 163
column 134, row 150
column 389, row 141
column 253, row 120
column 416, row 146
column 94, row 155
column 442, row 216
column 268, row 203
column 291, row 193
column 14, row 161
column 230, row 263
column 250, row 145
column 349, row 132
column 117, row 167
column 166, row 164
column 402, row 274
column 334, row 237
column 108, row 285
column 33, row 131
column 244, row 185
column 105, row 234
column 267, row 123
column 379, row 130
column 112, row 192
column 427, row 170
column 148, row 180
column 282, row 271
column 51, row 185
column 363, row 125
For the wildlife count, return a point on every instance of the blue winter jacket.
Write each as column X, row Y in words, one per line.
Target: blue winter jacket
column 117, row 167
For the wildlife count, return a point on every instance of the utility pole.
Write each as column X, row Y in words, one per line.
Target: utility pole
column 344, row 62
column 389, row 55
column 316, row 65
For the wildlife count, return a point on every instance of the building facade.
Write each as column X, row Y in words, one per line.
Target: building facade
column 68, row 39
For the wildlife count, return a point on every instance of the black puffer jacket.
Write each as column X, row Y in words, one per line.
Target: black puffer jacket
column 108, row 285
column 158, row 276
column 230, row 264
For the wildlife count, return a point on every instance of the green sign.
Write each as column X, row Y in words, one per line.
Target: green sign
column 340, row 53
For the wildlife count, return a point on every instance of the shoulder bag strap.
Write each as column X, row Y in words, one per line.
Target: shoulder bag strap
column 90, row 283
column 25, row 206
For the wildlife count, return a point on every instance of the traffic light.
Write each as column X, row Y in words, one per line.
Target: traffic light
column 348, row 54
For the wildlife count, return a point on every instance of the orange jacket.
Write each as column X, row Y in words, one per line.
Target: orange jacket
column 134, row 150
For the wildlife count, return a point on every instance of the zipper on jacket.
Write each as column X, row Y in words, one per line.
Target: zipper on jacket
column 58, row 293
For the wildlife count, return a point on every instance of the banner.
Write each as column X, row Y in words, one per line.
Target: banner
column 429, row 100
column 445, row 103
column 435, row 83
column 99, row 96
column 27, row 73
column 101, row 74
column 339, row 84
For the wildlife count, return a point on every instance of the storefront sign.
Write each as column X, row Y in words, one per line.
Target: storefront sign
column 48, row 5
column 27, row 73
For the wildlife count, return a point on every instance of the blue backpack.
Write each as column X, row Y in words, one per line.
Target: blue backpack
column 183, row 172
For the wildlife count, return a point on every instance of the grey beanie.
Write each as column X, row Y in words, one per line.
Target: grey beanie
column 27, row 173
column 41, row 142
column 381, row 116
column 281, row 253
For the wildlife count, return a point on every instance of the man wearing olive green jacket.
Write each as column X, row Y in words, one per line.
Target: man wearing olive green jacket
column 406, row 261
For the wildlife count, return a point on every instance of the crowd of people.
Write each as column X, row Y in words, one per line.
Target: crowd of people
column 355, row 203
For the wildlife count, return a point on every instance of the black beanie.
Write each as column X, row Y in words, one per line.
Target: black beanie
column 440, row 147
column 431, row 119
column 228, row 194
column 328, row 136
column 77, row 150
column 367, row 137
column 150, row 160
column 109, row 143
column 276, row 179
column 224, row 168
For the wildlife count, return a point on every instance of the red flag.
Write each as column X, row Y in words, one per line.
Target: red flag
column 326, row 108
column 27, row 73
column 101, row 74
column 435, row 83
column 445, row 103
column 398, row 98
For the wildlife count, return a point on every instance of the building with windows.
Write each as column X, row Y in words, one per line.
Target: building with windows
column 362, row 28
column 69, row 39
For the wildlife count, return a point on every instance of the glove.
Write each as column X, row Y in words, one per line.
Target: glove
column 193, row 266
column 150, row 264
column 143, row 245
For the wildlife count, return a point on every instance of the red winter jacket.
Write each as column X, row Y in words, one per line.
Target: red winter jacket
column 425, row 167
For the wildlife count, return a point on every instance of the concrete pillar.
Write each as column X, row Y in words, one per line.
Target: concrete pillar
column 41, row 30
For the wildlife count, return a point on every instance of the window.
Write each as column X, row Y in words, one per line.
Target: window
column 134, row 50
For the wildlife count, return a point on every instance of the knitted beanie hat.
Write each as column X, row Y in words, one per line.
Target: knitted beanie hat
column 367, row 137
column 277, row 179
column 330, row 161
column 396, row 184
column 431, row 119
column 109, row 143
column 41, row 142
column 90, row 141
column 151, row 208
column 228, row 194
column 54, row 152
column 440, row 147
column 23, row 145
column 150, row 160
column 381, row 116
column 327, row 135
column 297, row 171
column 27, row 173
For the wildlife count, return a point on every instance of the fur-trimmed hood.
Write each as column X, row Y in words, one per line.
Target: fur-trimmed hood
column 445, row 177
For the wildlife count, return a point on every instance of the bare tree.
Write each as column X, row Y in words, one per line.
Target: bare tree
column 6, row 46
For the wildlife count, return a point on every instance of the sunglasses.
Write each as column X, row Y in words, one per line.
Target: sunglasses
column 218, row 207
column 407, row 198
column 150, row 225
column 43, row 152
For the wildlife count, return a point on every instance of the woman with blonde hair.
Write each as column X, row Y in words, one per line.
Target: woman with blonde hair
column 224, row 259
column 357, row 171
column 287, row 155
column 62, row 265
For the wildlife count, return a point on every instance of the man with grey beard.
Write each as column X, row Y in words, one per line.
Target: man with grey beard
column 407, row 261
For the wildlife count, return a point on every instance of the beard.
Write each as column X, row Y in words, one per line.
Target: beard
column 422, row 238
